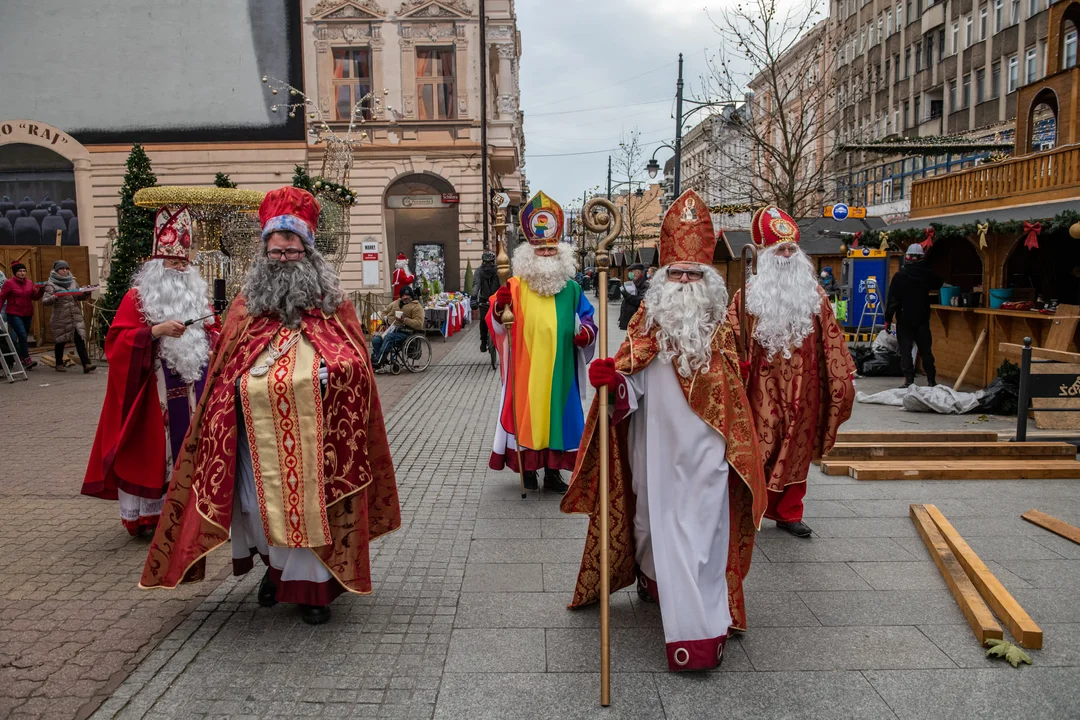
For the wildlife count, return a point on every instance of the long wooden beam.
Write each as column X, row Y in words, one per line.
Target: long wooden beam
column 967, row 597
column 1020, row 624
column 1051, row 523
column 1013, row 351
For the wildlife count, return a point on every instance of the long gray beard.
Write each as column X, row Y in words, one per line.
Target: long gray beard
column 286, row 290
column 686, row 315
column 547, row 275
column 166, row 294
column 784, row 297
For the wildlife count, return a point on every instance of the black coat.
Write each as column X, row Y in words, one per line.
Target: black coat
column 631, row 303
column 487, row 283
column 909, row 294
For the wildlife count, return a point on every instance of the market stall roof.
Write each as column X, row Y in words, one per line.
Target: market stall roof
column 812, row 241
column 723, row 251
column 1020, row 212
column 647, row 256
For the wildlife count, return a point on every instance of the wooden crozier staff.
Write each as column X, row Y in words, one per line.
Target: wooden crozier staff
column 502, row 262
column 601, row 216
column 749, row 267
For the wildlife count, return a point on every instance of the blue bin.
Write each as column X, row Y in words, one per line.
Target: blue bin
column 999, row 296
column 948, row 293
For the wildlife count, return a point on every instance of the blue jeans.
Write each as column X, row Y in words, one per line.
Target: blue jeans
column 382, row 344
column 19, row 327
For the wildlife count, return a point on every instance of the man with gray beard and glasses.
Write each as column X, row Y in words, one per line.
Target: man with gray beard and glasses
column 287, row 450
column 687, row 490
column 157, row 347
column 800, row 376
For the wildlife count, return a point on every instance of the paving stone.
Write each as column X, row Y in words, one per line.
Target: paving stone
column 496, row 651
column 561, row 577
column 538, row 610
column 1049, row 605
column 503, row 577
column 899, row 508
column 792, row 549
column 883, row 607
column 864, row 528
column 767, row 696
column 841, row 648
column 515, row 529
column 1046, row 573
column 524, row 551
column 1061, row 646
column 568, row 526
column 632, row 650
column 1030, row 692
column 777, row 609
column 568, row 696
column 826, row 509
column 795, row 576
column 900, row 575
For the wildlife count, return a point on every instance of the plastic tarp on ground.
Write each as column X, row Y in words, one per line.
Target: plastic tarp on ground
column 916, row 398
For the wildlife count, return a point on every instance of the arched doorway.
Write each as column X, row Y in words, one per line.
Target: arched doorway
column 37, row 161
column 422, row 222
column 957, row 262
column 34, row 184
column 1042, row 121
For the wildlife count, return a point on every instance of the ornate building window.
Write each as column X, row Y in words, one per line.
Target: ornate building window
column 435, row 80
column 351, row 79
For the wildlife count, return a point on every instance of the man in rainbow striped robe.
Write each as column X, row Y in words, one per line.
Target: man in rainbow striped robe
column 543, row 356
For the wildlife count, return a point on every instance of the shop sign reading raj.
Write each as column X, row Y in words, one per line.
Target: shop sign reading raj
column 31, row 129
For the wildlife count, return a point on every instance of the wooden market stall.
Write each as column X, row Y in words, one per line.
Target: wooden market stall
column 39, row 260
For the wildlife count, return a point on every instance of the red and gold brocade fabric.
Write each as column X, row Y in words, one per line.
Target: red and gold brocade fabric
column 719, row 399
column 360, row 490
column 799, row 402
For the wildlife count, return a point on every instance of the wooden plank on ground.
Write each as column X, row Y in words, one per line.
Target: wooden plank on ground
column 835, row 468
column 1015, row 618
column 973, row 451
column 954, row 436
column 964, row 470
column 1014, row 352
column 967, row 596
column 1051, row 523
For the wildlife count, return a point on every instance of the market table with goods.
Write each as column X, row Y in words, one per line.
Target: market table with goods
column 447, row 313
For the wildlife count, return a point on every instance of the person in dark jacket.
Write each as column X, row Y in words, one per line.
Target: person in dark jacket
column 487, row 284
column 633, row 292
column 19, row 293
column 909, row 303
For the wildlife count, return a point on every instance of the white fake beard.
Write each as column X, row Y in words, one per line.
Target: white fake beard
column 166, row 294
column 547, row 275
column 687, row 315
column 402, row 265
column 784, row 297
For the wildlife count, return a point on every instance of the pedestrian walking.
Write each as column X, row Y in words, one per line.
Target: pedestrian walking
column 17, row 296
column 68, row 325
column 633, row 292
column 487, row 284
column 909, row 304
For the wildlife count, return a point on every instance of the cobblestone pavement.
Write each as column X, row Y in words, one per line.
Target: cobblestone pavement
column 468, row 616
column 72, row 621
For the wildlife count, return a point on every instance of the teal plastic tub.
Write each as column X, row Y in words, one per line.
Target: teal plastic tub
column 948, row 293
column 999, row 296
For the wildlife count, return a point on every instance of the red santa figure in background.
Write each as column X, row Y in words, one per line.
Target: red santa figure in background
column 157, row 367
column 401, row 277
column 800, row 387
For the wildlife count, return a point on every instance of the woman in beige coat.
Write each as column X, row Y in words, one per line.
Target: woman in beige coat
column 67, row 317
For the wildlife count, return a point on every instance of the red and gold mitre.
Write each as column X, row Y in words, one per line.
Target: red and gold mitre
column 172, row 233
column 687, row 233
column 772, row 226
column 542, row 221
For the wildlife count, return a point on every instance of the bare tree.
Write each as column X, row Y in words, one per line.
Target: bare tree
column 627, row 169
column 778, row 62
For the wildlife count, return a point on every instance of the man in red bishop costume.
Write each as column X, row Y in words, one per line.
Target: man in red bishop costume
column 157, row 368
column 800, row 385
column 287, row 448
column 401, row 277
column 687, row 489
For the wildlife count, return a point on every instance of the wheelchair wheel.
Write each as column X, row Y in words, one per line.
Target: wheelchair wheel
column 494, row 356
column 395, row 366
column 417, row 353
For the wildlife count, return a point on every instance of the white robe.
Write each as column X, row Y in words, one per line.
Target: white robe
column 682, row 520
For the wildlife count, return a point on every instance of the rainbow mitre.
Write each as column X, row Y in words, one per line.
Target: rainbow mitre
column 172, row 233
column 542, row 221
column 687, row 234
column 771, row 226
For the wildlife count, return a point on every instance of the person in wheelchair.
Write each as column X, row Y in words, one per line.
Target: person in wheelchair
column 406, row 316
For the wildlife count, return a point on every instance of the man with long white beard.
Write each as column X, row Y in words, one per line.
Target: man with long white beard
column 287, row 447
column 540, row 419
column 157, row 368
column 687, row 490
column 799, row 384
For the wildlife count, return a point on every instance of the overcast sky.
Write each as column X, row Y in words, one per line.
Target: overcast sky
column 622, row 55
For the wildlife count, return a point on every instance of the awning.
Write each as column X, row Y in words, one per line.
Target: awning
column 1040, row 211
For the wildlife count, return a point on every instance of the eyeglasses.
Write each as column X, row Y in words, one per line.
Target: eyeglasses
column 676, row 274
column 287, row 253
column 174, row 264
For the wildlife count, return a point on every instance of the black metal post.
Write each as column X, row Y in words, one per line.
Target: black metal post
column 485, row 203
column 1022, row 401
column 608, row 177
column 678, row 130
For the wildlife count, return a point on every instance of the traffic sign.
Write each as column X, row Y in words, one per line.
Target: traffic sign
column 840, row 211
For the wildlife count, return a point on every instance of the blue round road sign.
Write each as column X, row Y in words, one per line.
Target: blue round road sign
column 839, row 211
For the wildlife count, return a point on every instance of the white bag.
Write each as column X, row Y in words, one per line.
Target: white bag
column 887, row 341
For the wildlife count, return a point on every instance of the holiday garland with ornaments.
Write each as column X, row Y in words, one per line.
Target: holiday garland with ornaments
column 899, row 240
column 335, row 192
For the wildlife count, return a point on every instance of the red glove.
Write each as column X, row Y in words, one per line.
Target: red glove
column 602, row 373
column 583, row 338
column 503, row 297
column 887, row 326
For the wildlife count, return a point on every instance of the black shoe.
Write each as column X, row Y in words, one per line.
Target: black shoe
column 530, row 480
column 553, row 482
column 267, row 591
column 931, row 382
column 644, row 593
column 314, row 614
column 483, row 347
column 798, row 528
column 907, row 384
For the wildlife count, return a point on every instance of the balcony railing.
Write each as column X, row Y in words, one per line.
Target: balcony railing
column 1052, row 175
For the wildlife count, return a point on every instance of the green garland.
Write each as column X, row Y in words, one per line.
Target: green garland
column 335, row 192
column 734, row 209
column 900, row 239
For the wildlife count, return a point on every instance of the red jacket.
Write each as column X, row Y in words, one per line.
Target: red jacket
column 20, row 295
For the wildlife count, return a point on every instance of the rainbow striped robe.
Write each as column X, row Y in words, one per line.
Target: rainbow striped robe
column 548, row 376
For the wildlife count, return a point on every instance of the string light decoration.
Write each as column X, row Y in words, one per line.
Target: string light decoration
column 331, row 187
column 734, row 209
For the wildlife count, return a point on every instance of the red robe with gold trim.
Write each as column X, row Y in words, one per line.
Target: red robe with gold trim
column 718, row 398
column 798, row 403
column 361, row 498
